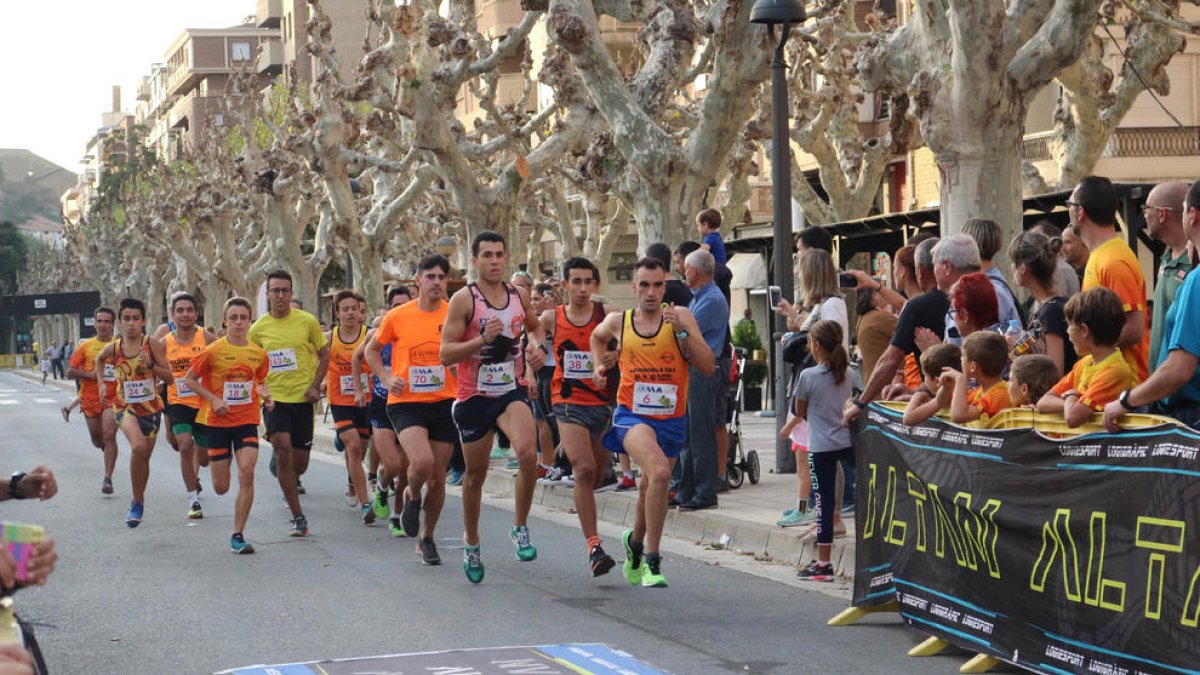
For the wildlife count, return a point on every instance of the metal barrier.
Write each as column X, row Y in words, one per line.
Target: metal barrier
column 17, row 361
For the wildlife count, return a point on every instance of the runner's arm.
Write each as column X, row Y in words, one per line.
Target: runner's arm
column 161, row 332
column 192, row 380
column 322, row 367
column 453, row 348
column 604, row 334
column 80, row 374
column 697, row 352
column 158, row 353
column 102, row 358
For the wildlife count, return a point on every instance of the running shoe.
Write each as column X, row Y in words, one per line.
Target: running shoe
column 499, row 453
column 472, row 563
column 428, row 552
column 106, row 486
column 410, row 516
column 652, row 576
column 512, row 463
column 519, row 535
column 367, row 513
column 350, row 497
column 795, row 517
column 551, row 475
column 634, row 567
column 134, row 517
column 542, row 471
column 601, row 562
column 627, row 482
column 239, row 545
column 195, row 513
column 817, row 572
column 454, row 478
column 299, row 527
column 66, row 413
column 395, row 529
column 568, row 480
column 380, row 503
column 300, row 488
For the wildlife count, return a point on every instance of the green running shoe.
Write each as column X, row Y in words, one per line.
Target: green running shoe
column 394, row 527
column 520, row 539
column 195, row 512
column 652, row 576
column 472, row 563
column 380, row 504
column 634, row 567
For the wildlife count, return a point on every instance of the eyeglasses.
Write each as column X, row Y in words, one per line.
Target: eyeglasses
column 1147, row 208
column 1070, row 203
column 952, row 312
column 279, row 291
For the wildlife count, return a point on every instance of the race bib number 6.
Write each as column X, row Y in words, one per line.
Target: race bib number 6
column 282, row 360
column 654, row 399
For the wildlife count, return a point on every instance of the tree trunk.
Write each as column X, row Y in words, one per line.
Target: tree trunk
column 981, row 178
column 368, row 273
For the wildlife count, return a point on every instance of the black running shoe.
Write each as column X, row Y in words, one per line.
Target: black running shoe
column 428, row 552
column 410, row 516
column 817, row 572
column 601, row 561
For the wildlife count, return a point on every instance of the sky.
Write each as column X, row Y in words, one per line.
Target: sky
column 61, row 59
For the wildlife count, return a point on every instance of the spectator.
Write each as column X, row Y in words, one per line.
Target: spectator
column 1075, row 252
column 876, row 324
column 1033, row 256
column 1066, row 279
column 1176, row 381
column 1112, row 264
column 989, row 239
column 1101, row 374
column 931, row 398
column 1164, row 222
column 1032, row 375
column 814, row 237
column 677, row 292
column 954, row 257
column 984, row 355
column 708, row 224
column 819, row 296
column 972, row 307
column 56, row 364
column 38, row 483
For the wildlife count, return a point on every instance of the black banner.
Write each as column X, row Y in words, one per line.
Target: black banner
column 1060, row 556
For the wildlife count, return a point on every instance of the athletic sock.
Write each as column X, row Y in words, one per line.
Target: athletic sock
column 193, row 497
column 592, row 542
column 238, row 536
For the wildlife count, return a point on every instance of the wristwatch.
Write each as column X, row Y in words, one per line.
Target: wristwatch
column 858, row 403
column 1123, row 399
column 681, row 335
column 14, row 485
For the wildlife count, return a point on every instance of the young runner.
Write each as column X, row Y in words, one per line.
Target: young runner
column 101, row 422
column 350, row 420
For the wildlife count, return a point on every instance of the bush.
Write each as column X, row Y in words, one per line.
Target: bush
column 755, row 373
column 745, row 335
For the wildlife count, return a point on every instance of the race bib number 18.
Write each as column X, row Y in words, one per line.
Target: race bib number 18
column 238, row 393
column 282, row 360
column 654, row 399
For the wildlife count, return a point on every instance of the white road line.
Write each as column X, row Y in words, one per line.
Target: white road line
column 6, row 401
column 44, row 400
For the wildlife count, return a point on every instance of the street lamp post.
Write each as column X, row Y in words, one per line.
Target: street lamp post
column 781, row 15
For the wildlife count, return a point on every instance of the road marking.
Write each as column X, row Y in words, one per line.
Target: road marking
column 5, row 401
column 44, row 400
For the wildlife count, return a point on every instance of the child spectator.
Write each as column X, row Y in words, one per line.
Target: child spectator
column 44, row 366
column 1031, row 377
column 1094, row 321
column 931, row 397
column 985, row 354
column 708, row 224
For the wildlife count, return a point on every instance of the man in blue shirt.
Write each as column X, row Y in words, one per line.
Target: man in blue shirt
column 706, row 394
column 1176, row 381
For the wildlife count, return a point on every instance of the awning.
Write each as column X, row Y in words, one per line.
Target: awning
column 749, row 270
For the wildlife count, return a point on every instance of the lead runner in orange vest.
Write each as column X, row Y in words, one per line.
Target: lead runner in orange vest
column 350, row 421
column 656, row 344
column 101, row 423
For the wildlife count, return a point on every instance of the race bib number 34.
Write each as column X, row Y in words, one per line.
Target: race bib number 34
column 654, row 399
column 238, row 393
column 496, row 378
column 138, row 391
column 282, row 360
column 426, row 379
column 577, row 365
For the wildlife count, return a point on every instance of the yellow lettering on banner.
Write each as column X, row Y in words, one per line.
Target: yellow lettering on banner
column 897, row 528
column 869, row 523
column 916, row 490
column 1057, row 541
column 1162, row 536
column 945, row 527
column 1191, row 606
column 1096, row 590
column 979, row 532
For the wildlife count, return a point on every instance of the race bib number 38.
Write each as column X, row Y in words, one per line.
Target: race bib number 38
column 426, row 379
column 577, row 365
column 282, row 360
column 138, row 391
column 654, row 399
column 238, row 393
column 496, row 378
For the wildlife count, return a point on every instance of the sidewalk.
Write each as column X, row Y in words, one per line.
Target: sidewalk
column 746, row 515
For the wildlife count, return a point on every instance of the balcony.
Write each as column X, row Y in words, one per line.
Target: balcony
column 269, row 14
column 270, row 58
column 143, row 89
column 1154, row 142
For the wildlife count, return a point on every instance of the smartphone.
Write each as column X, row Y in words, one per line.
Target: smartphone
column 847, row 280
column 776, row 296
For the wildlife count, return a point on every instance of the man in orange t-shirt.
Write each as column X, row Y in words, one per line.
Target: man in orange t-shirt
column 101, row 422
column 1113, row 265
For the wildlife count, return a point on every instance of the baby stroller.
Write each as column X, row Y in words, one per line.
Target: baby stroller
column 742, row 463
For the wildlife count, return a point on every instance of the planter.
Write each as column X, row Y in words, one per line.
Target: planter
column 752, row 398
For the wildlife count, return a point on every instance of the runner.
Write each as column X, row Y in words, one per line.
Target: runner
column 299, row 357
column 140, row 363
column 350, row 420
column 583, row 411
column 237, row 369
column 384, row 439
column 482, row 336
column 650, row 422
column 183, row 343
column 420, row 394
column 101, row 424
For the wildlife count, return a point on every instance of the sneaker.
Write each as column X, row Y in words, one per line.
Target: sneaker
column 627, row 483
column 350, row 497
column 380, row 504
column 134, row 517
column 195, row 513
column 567, row 480
column 848, row 510
column 542, row 471
column 697, row 506
column 395, row 529
column 239, row 545
column 817, row 572
column 472, row 563
column 428, row 552
column 367, row 513
column 299, row 527
column 66, row 413
column 454, row 478
column 273, row 466
column 652, row 576
column 512, row 463
column 551, row 475
column 601, row 562
column 634, row 567
column 106, row 487
column 300, row 488
column 609, row 484
column 721, row 486
column 410, row 516
column 519, row 535
column 793, row 518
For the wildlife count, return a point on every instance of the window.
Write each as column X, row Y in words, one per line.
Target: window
column 240, row 51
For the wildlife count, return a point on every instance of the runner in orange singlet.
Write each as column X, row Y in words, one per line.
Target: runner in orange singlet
column 350, row 421
column 101, row 423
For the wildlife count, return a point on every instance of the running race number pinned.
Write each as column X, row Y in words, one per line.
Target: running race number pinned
column 654, row 399
column 496, row 378
column 347, row 384
column 577, row 365
column 282, row 360
column 238, row 393
column 182, row 390
column 138, row 391
column 110, row 372
column 426, row 379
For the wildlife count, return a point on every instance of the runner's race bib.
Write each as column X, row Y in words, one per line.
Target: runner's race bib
column 138, row 391
column 496, row 378
column 654, row 399
column 110, row 372
column 282, row 360
column 577, row 365
column 238, row 393
column 426, row 379
column 182, row 390
column 347, row 384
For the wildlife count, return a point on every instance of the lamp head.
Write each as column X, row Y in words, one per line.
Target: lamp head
column 777, row 12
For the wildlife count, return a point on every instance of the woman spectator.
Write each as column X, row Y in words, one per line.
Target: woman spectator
column 876, row 323
column 1034, row 259
column 819, row 297
column 973, row 304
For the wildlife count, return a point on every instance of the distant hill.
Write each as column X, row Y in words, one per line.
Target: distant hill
column 30, row 186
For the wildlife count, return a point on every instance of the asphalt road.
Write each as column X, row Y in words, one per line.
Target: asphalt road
column 168, row 596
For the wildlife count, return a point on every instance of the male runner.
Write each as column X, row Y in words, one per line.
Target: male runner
column 483, row 336
column 420, row 394
column 656, row 343
column 237, row 369
column 583, row 411
column 350, row 421
column 383, row 436
column 299, row 357
column 140, row 362
column 101, row 424
column 183, row 344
